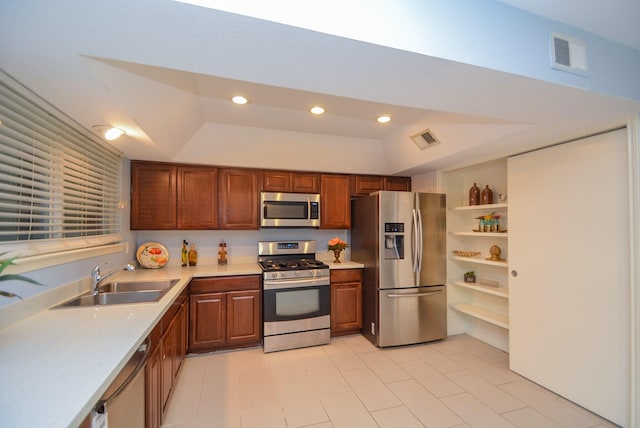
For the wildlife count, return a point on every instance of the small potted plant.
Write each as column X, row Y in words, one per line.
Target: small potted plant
column 470, row 276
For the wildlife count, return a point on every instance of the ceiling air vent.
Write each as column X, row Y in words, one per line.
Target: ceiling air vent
column 568, row 54
column 425, row 139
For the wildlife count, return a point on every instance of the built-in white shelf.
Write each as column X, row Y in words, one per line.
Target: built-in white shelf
column 480, row 261
column 482, row 314
column 494, row 291
column 481, row 207
column 482, row 234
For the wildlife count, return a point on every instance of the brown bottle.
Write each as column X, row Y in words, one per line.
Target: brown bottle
column 474, row 195
column 487, row 195
column 193, row 255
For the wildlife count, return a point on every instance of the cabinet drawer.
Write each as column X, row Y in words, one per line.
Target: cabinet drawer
column 224, row 283
column 346, row 275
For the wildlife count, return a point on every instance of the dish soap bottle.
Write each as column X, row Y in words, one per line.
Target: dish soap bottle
column 184, row 254
column 193, row 255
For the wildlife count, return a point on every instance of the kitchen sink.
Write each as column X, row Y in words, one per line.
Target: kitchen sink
column 119, row 293
column 118, row 287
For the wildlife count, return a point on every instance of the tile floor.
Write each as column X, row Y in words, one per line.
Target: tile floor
column 458, row 382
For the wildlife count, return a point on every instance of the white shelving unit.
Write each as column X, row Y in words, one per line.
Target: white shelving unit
column 477, row 310
column 482, row 289
column 482, row 314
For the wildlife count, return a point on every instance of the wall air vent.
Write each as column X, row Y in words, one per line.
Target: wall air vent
column 425, row 139
column 568, row 54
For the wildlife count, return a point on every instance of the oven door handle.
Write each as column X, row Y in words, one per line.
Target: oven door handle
column 274, row 284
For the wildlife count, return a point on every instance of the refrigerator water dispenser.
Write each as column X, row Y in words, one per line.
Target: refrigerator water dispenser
column 394, row 241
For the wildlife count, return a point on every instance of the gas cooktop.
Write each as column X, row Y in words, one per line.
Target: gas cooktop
column 291, row 264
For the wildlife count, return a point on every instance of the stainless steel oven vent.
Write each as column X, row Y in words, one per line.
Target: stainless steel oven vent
column 425, row 139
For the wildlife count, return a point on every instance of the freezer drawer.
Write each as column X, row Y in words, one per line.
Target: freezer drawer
column 412, row 315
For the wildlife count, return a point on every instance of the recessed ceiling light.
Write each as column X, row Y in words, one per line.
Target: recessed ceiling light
column 109, row 133
column 239, row 99
column 385, row 118
column 317, row 110
column 113, row 133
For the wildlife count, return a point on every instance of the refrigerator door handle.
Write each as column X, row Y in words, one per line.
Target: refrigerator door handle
column 414, row 241
column 430, row 293
column 420, row 247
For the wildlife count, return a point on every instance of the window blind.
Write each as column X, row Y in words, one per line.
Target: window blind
column 59, row 184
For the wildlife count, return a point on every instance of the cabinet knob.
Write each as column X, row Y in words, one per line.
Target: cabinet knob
column 514, row 273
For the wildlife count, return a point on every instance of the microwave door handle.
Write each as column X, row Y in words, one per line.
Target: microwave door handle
column 308, row 209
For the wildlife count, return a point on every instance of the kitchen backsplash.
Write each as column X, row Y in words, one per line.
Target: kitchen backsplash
column 242, row 245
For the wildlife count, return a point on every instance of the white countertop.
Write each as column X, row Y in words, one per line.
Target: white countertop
column 57, row 363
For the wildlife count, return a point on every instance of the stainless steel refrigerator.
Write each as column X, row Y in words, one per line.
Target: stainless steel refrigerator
column 401, row 239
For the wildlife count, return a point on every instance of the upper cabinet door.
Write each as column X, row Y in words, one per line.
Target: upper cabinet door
column 362, row 185
column 238, row 192
column 400, row 184
column 305, row 182
column 276, row 181
column 296, row 182
column 197, row 198
column 335, row 202
column 153, row 196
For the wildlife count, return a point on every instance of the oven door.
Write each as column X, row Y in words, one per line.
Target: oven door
column 289, row 210
column 296, row 305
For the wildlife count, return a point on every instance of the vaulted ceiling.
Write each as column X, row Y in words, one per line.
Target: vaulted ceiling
column 165, row 72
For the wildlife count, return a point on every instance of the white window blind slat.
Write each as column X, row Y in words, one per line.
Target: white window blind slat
column 58, row 183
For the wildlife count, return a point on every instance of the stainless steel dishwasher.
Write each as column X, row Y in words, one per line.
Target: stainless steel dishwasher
column 123, row 403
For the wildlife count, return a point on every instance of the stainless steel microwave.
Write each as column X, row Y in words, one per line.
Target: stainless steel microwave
column 289, row 209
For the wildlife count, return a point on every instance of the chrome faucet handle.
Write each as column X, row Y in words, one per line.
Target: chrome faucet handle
column 96, row 270
column 96, row 276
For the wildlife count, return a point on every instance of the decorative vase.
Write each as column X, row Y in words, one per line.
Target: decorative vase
column 336, row 254
column 474, row 195
column 487, row 195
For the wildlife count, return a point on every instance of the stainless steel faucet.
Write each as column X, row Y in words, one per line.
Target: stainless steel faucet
column 97, row 276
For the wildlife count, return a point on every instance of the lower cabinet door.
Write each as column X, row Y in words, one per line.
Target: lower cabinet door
column 243, row 317
column 207, row 321
column 167, row 346
column 346, row 307
column 153, row 381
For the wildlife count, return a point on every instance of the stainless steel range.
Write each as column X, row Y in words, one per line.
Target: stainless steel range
column 296, row 297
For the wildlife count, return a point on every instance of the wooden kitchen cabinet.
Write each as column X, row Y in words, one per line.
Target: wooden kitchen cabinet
column 207, row 321
column 153, row 196
column 363, row 185
column 152, row 394
column 239, row 194
column 335, row 200
column 346, row 301
column 398, row 184
column 286, row 181
column 197, row 198
column 168, row 196
column 167, row 353
column 243, row 317
column 225, row 312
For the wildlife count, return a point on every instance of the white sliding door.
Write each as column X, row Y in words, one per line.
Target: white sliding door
column 569, row 320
